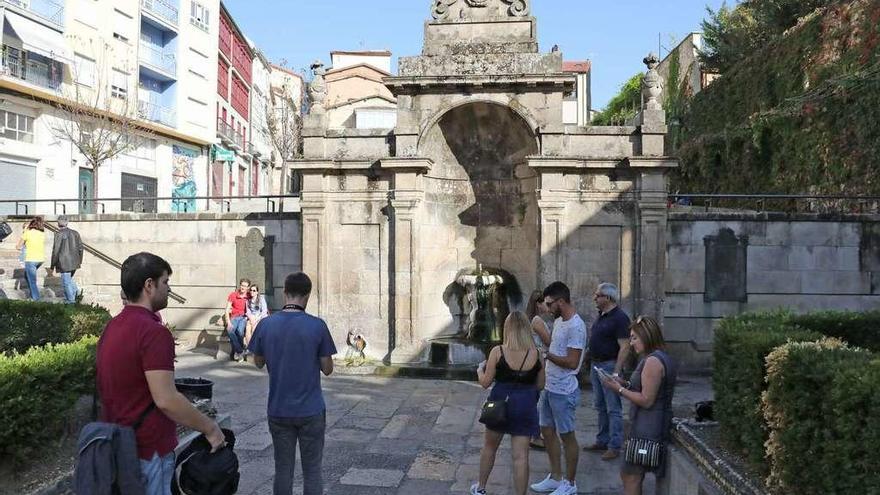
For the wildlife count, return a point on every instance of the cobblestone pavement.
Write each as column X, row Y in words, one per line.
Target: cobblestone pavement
column 395, row 435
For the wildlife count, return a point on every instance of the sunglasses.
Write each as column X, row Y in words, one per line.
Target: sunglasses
column 255, row 290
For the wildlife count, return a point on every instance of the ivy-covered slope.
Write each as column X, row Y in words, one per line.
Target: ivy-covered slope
column 800, row 115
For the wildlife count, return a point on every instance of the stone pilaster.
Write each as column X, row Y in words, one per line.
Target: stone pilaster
column 651, row 241
column 406, row 196
column 314, row 230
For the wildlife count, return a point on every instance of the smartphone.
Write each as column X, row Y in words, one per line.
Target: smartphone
column 602, row 373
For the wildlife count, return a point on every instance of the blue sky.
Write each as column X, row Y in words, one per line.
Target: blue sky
column 614, row 34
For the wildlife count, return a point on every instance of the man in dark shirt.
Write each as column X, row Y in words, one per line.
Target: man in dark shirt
column 297, row 347
column 67, row 255
column 608, row 350
column 135, row 373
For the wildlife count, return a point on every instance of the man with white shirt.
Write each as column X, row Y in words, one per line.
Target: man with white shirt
column 561, row 395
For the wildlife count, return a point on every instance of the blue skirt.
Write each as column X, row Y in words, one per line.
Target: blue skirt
column 522, row 408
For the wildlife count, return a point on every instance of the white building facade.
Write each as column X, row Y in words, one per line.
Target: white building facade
column 155, row 60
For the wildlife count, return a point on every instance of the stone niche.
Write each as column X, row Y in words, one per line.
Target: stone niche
column 479, row 207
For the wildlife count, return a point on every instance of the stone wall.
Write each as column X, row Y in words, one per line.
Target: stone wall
column 208, row 252
column 798, row 261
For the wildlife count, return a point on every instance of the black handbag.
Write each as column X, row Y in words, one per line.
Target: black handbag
column 494, row 412
column 643, row 452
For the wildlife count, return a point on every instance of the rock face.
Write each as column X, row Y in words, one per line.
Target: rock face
column 479, row 170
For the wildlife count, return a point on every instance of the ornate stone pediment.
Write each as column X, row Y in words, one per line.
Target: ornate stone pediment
column 468, row 9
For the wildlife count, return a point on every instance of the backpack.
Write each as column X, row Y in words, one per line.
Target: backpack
column 107, row 460
column 199, row 472
column 5, row 230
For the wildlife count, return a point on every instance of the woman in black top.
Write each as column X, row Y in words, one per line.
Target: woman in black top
column 518, row 375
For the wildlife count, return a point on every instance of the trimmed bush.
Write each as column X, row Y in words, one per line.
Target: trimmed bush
column 37, row 391
column 857, row 329
column 27, row 324
column 821, row 411
column 742, row 344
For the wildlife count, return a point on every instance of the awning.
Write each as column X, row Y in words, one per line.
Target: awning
column 36, row 37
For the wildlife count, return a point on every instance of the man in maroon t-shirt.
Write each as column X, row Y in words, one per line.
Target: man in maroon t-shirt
column 236, row 316
column 135, row 372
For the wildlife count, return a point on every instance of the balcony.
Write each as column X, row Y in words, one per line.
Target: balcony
column 32, row 72
column 162, row 10
column 156, row 59
column 48, row 10
column 157, row 113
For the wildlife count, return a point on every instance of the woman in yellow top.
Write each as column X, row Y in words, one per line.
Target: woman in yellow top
column 33, row 240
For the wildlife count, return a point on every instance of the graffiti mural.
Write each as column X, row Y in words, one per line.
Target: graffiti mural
column 183, row 179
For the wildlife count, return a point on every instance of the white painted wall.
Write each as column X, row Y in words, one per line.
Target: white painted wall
column 379, row 61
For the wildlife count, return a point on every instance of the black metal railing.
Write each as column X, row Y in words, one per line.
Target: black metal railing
column 110, row 261
column 177, row 204
column 806, row 203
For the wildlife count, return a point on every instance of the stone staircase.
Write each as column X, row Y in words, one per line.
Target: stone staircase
column 13, row 283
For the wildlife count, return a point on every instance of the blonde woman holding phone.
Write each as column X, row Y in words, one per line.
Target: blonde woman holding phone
column 516, row 375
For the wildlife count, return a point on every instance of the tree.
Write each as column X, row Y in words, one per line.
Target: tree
column 732, row 34
column 284, row 122
column 624, row 105
column 97, row 117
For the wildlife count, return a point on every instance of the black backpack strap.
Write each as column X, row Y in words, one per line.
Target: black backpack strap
column 137, row 424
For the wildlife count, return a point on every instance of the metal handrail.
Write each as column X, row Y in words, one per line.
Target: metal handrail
column 110, row 261
column 761, row 199
column 271, row 204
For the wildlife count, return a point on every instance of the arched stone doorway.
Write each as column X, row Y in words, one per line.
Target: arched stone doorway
column 480, row 208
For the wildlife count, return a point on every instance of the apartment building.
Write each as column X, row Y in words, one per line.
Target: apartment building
column 356, row 94
column 577, row 107
column 232, row 167
column 264, row 160
column 149, row 60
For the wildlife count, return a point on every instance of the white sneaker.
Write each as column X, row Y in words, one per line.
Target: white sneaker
column 546, row 486
column 566, row 488
column 475, row 490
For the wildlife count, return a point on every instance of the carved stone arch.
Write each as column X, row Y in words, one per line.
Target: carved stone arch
column 521, row 112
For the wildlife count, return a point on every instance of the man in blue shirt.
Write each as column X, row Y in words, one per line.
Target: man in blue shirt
column 297, row 348
column 608, row 350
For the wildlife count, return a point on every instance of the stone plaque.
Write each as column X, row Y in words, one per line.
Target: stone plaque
column 726, row 267
column 253, row 260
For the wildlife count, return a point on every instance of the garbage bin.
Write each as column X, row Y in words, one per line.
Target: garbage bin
column 195, row 388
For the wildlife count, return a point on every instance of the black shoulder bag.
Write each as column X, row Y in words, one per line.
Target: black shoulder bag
column 494, row 412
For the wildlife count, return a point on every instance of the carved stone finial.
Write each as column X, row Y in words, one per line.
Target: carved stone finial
column 318, row 88
column 518, row 8
column 441, row 8
column 652, row 85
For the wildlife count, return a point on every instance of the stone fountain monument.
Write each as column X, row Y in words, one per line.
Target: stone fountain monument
column 479, row 170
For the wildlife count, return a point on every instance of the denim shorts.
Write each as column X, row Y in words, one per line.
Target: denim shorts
column 558, row 410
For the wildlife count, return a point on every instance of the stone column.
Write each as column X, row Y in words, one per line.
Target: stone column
column 407, row 193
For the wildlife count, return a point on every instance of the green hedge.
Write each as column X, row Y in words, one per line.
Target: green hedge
column 27, row 324
column 857, row 329
column 824, row 419
column 742, row 344
column 38, row 390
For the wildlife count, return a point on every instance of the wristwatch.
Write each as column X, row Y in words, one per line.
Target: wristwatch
column 620, row 391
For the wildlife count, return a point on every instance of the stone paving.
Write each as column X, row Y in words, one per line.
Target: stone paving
column 395, row 435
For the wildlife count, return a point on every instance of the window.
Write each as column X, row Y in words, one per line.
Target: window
column 16, row 126
column 84, row 71
column 199, row 16
column 119, row 84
